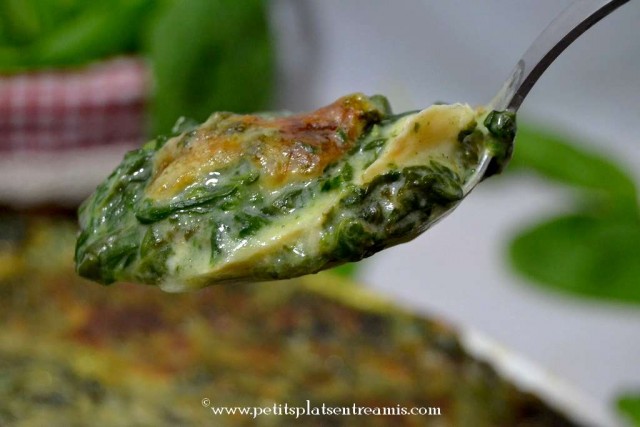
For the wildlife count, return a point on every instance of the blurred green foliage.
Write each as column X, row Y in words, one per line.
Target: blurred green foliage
column 60, row 33
column 591, row 174
column 206, row 55
column 348, row 270
column 629, row 406
column 210, row 55
column 593, row 251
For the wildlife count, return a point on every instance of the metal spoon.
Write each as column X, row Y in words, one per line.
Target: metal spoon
column 577, row 18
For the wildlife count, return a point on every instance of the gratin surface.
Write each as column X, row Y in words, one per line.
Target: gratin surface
column 75, row 353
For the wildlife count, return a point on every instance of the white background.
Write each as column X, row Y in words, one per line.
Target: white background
column 421, row 51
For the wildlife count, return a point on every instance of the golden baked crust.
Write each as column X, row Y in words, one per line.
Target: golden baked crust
column 285, row 149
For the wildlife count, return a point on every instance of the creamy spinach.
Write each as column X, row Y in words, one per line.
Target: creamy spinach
column 247, row 198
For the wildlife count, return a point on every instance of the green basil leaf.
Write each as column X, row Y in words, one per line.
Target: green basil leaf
column 210, row 55
column 584, row 255
column 563, row 161
column 629, row 405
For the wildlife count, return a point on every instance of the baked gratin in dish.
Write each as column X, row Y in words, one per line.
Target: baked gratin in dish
column 74, row 353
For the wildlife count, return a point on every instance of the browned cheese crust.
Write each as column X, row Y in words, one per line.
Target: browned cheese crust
column 285, row 149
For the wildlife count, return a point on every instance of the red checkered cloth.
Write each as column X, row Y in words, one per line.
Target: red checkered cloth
column 99, row 104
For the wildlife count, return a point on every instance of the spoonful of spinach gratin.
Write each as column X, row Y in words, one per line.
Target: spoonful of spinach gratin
column 252, row 197
column 260, row 197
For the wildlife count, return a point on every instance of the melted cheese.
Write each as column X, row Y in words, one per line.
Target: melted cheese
column 413, row 140
column 301, row 232
column 430, row 134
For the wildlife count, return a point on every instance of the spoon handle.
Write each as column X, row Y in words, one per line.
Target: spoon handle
column 568, row 26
